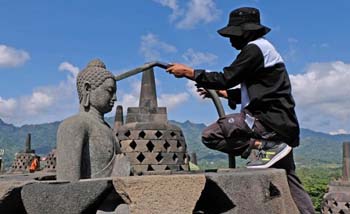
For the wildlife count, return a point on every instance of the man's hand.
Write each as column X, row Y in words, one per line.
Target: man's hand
column 204, row 93
column 222, row 93
column 180, row 70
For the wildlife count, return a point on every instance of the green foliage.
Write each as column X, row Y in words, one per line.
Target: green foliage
column 315, row 181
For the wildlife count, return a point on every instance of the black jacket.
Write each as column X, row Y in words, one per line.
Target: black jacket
column 261, row 71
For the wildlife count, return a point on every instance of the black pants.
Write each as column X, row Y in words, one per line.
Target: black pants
column 232, row 135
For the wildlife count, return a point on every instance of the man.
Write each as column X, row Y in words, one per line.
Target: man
column 267, row 121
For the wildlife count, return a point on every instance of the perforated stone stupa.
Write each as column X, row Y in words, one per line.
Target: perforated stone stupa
column 24, row 158
column 147, row 138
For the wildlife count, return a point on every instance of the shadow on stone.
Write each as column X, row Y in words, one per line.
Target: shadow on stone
column 12, row 203
column 110, row 204
column 274, row 191
column 213, row 200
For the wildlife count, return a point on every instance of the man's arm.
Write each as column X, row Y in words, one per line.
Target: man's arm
column 247, row 62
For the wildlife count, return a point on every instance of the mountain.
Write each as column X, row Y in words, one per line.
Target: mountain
column 316, row 148
column 13, row 138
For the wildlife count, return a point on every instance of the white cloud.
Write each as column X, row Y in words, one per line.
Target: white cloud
column 322, row 95
column 66, row 66
column 172, row 100
column 194, row 13
column 7, row 107
column 56, row 102
column 199, row 11
column 191, row 87
column 339, row 131
column 196, row 58
column 44, row 104
column 11, row 57
column 37, row 102
column 152, row 48
column 131, row 98
column 173, row 5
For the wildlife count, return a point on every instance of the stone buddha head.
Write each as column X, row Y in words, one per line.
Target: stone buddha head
column 96, row 87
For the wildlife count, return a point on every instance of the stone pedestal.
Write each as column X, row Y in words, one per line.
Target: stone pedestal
column 237, row 191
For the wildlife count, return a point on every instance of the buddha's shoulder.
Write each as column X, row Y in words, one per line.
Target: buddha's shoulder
column 75, row 121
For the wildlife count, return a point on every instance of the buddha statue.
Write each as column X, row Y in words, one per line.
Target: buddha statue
column 86, row 145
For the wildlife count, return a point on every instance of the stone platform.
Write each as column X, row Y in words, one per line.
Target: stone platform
column 224, row 191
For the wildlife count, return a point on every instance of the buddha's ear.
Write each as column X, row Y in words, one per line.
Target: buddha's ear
column 87, row 86
column 86, row 94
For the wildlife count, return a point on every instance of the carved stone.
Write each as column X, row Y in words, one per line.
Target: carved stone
column 50, row 162
column 86, row 145
column 149, row 141
column 24, row 159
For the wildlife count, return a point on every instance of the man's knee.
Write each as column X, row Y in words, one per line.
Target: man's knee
column 212, row 132
column 206, row 133
column 211, row 143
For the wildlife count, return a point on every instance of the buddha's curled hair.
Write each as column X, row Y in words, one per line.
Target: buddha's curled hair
column 95, row 73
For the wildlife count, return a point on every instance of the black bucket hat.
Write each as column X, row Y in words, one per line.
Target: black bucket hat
column 241, row 20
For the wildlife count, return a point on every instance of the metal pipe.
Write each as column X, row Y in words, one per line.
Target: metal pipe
column 141, row 69
column 216, row 100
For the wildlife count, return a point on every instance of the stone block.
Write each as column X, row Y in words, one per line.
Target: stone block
column 58, row 197
column 245, row 191
column 160, row 193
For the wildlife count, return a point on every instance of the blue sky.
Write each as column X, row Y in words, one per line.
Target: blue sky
column 43, row 44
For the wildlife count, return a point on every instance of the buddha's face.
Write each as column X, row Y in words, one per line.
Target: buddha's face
column 103, row 97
